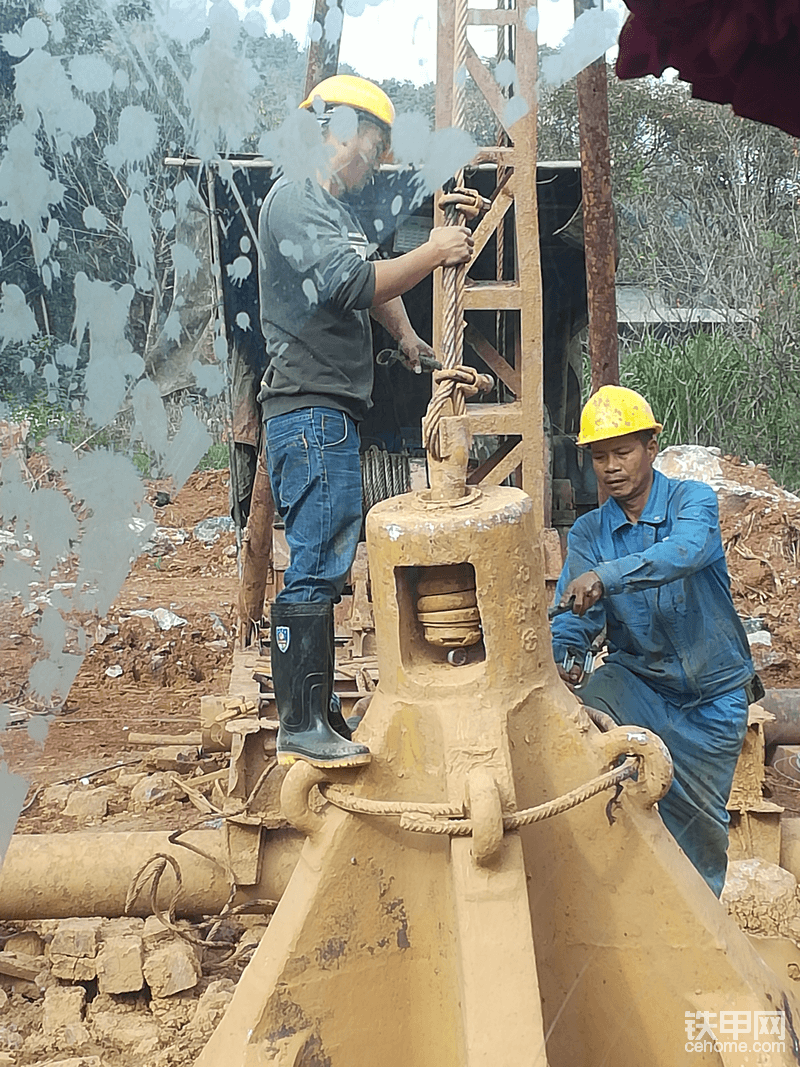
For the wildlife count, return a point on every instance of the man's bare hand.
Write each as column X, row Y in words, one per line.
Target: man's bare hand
column 412, row 348
column 587, row 589
column 572, row 677
column 452, row 245
column 468, row 202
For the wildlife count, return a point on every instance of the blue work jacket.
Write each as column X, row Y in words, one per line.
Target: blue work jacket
column 667, row 604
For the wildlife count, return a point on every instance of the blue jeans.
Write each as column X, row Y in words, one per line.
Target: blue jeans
column 704, row 742
column 315, row 472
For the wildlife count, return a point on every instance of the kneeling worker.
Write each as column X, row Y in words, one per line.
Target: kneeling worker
column 649, row 567
column 317, row 289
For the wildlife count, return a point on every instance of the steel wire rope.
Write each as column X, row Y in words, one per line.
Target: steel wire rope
column 340, row 798
column 516, row 820
column 452, row 277
column 155, row 867
column 433, row 818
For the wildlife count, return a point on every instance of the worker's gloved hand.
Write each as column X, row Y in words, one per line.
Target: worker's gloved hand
column 452, row 245
column 587, row 589
column 412, row 348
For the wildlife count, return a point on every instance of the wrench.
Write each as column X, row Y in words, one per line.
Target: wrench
column 391, row 355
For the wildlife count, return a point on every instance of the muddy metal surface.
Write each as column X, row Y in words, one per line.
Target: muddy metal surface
column 59, row 1001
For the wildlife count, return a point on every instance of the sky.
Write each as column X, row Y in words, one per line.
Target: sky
column 397, row 38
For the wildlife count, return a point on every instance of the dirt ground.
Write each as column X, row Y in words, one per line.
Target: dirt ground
column 160, row 674
column 138, row 677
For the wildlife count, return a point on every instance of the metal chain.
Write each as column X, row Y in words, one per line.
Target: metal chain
column 444, row 819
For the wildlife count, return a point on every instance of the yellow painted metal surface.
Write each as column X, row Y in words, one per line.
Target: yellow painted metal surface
column 574, row 942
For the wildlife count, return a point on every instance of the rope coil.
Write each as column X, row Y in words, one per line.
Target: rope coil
column 447, row 819
column 383, row 475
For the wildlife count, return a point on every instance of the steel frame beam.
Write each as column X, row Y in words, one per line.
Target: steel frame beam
column 517, row 300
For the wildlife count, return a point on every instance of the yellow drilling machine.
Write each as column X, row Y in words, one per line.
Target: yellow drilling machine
column 496, row 888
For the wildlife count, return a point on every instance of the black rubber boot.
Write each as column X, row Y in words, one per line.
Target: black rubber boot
column 335, row 717
column 302, row 677
column 338, row 722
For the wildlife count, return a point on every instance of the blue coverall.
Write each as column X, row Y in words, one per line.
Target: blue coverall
column 678, row 655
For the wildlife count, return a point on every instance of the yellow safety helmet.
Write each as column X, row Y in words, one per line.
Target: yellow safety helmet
column 358, row 93
column 614, row 411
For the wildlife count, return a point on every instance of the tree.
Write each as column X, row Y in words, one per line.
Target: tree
column 708, row 215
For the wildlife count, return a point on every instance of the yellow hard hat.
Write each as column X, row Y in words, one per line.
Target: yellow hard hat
column 614, row 411
column 358, row 93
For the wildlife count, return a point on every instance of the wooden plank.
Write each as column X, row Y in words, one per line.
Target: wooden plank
column 445, row 66
column 150, row 740
column 492, row 358
column 504, row 198
column 531, row 362
column 245, row 662
column 495, row 154
column 501, row 420
column 492, row 296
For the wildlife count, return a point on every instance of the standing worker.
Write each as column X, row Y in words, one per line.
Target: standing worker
column 649, row 567
column 317, row 290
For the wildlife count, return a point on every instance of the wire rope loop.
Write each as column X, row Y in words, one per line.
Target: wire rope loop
column 449, row 820
column 609, row 780
column 451, row 385
column 341, row 798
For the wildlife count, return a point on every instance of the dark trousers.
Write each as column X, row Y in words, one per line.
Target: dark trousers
column 704, row 742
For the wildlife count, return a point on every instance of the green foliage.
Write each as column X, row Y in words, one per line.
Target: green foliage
column 52, row 418
column 708, row 211
column 45, row 418
column 142, row 462
column 216, row 459
column 715, row 390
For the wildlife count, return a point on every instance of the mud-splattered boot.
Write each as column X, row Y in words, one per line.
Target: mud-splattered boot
column 335, row 717
column 338, row 722
column 302, row 677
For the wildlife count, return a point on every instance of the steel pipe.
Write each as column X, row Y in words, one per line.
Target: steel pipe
column 56, row 876
column 785, row 706
column 599, row 230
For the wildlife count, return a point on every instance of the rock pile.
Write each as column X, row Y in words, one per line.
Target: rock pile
column 110, row 992
column 761, row 534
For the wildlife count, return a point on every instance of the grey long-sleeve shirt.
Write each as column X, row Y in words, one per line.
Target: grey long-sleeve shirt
column 315, row 286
